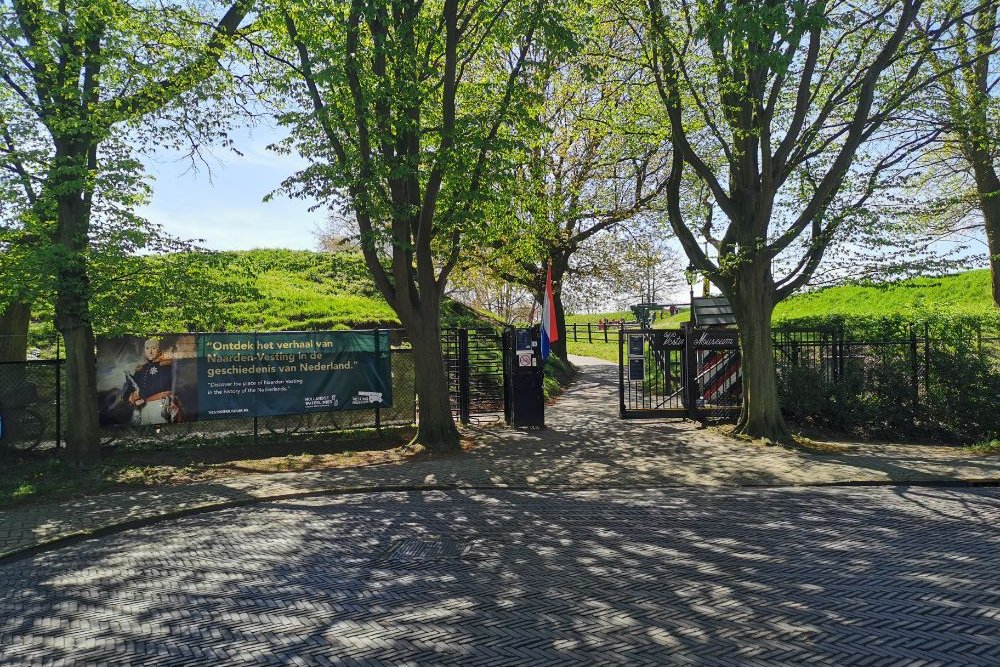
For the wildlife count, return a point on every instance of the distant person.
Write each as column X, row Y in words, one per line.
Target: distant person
column 673, row 310
column 601, row 324
column 150, row 389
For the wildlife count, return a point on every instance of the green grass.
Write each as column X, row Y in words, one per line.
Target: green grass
column 34, row 481
column 663, row 320
column 284, row 290
column 601, row 350
column 558, row 375
column 255, row 290
column 965, row 293
column 959, row 294
column 672, row 321
column 991, row 448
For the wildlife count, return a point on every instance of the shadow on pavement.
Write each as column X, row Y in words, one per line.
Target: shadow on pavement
column 873, row 576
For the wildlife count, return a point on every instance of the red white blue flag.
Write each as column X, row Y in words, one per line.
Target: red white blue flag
column 550, row 333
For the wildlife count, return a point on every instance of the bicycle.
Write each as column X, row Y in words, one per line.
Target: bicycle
column 22, row 428
column 284, row 425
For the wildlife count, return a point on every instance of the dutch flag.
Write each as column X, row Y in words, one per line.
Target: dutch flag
column 550, row 333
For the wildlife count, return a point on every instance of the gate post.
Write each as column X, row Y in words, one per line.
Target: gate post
column 378, row 410
column 58, row 392
column 914, row 369
column 621, row 372
column 507, row 338
column 463, row 375
column 690, row 371
column 927, row 356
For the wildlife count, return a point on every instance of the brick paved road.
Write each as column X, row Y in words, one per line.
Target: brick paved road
column 683, row 576
column 585, row 446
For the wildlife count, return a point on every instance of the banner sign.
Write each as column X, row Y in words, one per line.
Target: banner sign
column 177, row 378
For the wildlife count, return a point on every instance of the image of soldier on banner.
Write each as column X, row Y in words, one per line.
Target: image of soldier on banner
column 147, row 381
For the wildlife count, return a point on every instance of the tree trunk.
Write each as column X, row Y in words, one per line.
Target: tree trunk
column 82, row 437
column 14, row 320
column 72, row 309
column 988, row 188
column 753, row 302
column 435, row 425
column 993, row 239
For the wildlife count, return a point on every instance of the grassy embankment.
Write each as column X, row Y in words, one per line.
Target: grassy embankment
column 301, row 290
column 255, row 290
column 965, row 293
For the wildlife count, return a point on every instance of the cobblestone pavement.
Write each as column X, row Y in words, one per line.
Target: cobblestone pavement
column 834, row 576
column 584, row 446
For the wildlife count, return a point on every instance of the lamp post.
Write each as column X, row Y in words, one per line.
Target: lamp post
column 691, row 274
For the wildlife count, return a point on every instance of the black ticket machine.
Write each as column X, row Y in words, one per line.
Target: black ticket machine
column 525, row 404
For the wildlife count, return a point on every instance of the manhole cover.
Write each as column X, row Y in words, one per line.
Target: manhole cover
column 416, row 549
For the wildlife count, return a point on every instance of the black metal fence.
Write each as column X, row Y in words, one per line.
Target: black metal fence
column 894, row 380
column 474, row 362
column 688, row 372
column 33, row 395
column 890, row 380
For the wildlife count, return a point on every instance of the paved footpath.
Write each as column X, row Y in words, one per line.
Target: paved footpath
column 585, row 446
column 682, row 576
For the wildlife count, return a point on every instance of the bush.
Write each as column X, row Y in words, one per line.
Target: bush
column 964, row 394
column 808, row 397
column 955, row 361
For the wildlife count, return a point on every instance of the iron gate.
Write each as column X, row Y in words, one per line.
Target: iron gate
column 687, row 372
column 474, row 361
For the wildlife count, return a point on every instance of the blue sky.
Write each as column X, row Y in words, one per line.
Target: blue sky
column 224, row 206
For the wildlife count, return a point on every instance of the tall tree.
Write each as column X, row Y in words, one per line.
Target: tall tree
column 769, row 103
column 963, row 100
column 409, row 112
column 628, row 264
column 20, row 148
column 480, row 288
column 80, row 70
column 599, row 165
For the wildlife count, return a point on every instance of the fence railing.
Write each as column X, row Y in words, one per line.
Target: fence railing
column 896, row 380
column 591, row 332
column 33, row 400
column 909, row 380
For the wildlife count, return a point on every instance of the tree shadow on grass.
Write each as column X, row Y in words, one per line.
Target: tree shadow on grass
column 874, row 576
